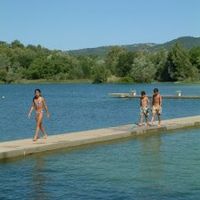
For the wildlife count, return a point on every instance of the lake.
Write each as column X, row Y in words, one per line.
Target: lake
column 76, row 107
column 155, row 166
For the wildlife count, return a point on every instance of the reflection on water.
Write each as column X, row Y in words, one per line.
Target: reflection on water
column 151, row 165
column 39, row 178
column 162, row 166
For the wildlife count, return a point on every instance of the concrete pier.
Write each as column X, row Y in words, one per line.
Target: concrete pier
column 27, row 147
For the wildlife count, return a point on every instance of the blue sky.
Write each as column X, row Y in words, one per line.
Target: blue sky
column 75, row 24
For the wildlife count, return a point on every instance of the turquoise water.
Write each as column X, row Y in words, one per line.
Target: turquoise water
column 164, row 166
column 76, row 107
column 155, row 166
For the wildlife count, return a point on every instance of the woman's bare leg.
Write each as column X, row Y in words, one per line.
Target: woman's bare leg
column 43, row 131
column 38, row 122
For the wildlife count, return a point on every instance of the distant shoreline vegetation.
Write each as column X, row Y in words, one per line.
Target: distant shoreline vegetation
column 36, row 64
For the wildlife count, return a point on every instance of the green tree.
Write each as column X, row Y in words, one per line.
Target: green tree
column 143, row 70
column 178, row 65
column 195, row 57
column 24, row 57
column 100, row 74
column 86, row 63
column 159, row 60
column 112, row 58
column 17, row 44
column 124, row 64
column 35, row 71
column 4, row 62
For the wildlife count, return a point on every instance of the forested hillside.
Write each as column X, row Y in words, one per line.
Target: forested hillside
column 178, row 60
column 186, row 42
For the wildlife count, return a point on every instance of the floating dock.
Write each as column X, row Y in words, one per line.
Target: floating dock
column 25, row 147
column 129, row 95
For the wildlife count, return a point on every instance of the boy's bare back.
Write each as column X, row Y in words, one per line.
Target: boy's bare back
column 157, row 100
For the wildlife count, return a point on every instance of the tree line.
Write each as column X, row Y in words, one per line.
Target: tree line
column 19, row 62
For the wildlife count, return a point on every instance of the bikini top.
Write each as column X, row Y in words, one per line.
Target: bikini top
column 38, row 103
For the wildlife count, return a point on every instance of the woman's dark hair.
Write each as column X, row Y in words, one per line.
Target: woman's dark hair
column 143, row 93
column 37, row 90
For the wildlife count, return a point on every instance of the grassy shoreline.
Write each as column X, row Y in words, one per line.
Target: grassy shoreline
column 46, row 81
column 89, row 81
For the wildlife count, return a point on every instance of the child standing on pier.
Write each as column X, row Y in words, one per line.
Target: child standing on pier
column 156, row 106
column 39, row 105
column 144, row 109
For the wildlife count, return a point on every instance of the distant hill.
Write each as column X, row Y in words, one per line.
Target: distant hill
column 187, row 42
column 102, row 51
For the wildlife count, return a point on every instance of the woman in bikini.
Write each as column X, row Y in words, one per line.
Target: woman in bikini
column 39, row 105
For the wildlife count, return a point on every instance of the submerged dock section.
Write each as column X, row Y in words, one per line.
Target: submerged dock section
column 132, row 95
column 26, row 147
